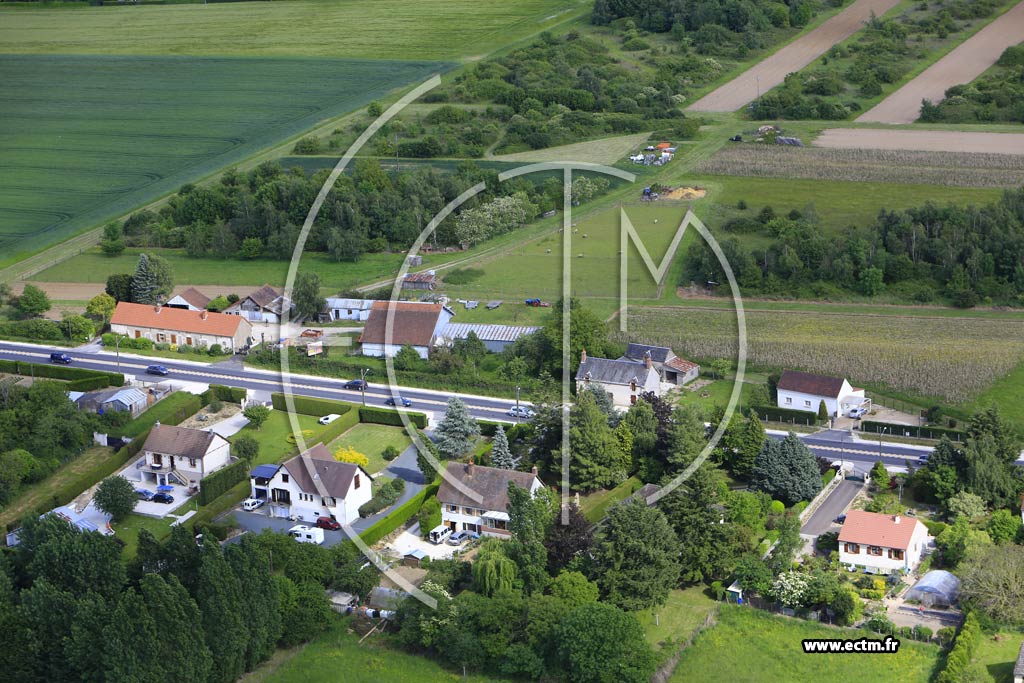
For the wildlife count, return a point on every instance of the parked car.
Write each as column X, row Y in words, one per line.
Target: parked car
column 165, row 498
column 439, row 533
column 144, row 494
column 858, row 413
column 328, row 523
column 841, row 518
column 401, row 400
column 252, row 503
column 328, row 419
column 461, row 537
column 157, row 370
column 520, row 411
column 357, row 384
column 62, row 358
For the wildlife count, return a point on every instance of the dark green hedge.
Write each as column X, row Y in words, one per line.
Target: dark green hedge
column 222, row 393
column 383, row 416
column 88, row 384
column 776, row 414
column 317, row 407
column 959, row 658
column 14, row 367
column 512, row 431
column 870, row 426
column 222, row 481
column 399, row 516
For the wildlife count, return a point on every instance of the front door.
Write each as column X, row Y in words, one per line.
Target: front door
column 138, row 334
column 174, row 339
column 188, row 340
column 171, row 466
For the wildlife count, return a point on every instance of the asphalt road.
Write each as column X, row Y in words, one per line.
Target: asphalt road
column 839, row 446
column 821, row 520
column 234, row 373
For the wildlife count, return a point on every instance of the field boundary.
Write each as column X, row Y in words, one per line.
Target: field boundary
column 922, row 140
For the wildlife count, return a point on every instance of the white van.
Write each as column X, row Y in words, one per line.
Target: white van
column 328, row 419
column 439, row 533
column 307, row 534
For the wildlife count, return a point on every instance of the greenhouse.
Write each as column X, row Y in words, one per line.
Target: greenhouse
column 937, row 588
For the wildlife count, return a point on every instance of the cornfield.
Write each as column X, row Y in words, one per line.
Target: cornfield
column 954, row 169
column 949, row 358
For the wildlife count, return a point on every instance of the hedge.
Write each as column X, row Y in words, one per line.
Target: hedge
column 221, row 481
column 911, row 430
column 220, row 392
column 14, row 367
column 382, row 416
column 512, row 431
column 959, row 658
column 221, row 505
column 399, row 516
column 317, row 407
column 776, row 414
column 171, row 410
column 385, row 496
column 332, row 431
column 72, row 489
column 88, row 384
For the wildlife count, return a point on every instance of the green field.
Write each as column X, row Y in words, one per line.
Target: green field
column 671, row 625
column 128, row 530
column 273, row 435
column 86, row 468
column 998, row 656
column 88, row 138
column 371, row 440
column 751, row 645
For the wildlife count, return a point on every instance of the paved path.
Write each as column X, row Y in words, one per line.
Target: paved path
column 965, row 63
column 773, row 69
column 833, row 506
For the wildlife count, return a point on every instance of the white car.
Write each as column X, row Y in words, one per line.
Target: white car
column 520, row 411
column 858, row 413
column 328, row 419
column 252, row 503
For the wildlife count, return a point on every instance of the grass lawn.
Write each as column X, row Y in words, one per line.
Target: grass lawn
column 595, row 505
column 337, row 650
column 41, row 493
column 718, row 393
column 272, row 436
column 998, row 657
column 371, row 440
column 128, row 531
column 751, row 645
column 672, row 624
column 170, row 410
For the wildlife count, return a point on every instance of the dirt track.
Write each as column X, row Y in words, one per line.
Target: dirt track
column 772, row 70
column 965, row 63
column 922, row 140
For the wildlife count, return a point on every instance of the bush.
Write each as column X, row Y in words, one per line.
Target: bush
column 216, row 350
column 389, row 453
column 216, row 405
column 385, row 496
column 222, row 393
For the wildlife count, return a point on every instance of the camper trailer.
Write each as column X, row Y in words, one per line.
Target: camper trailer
column 439, row 533
column 307, row 534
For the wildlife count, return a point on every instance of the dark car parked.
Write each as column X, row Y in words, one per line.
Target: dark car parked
column 328, row 523
column 357, row 384
column 401, row 400
column 157, row 370
column 62, row 358
column 163, row 498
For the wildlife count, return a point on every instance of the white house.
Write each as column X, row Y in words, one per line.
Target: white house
column 178, row 326
column 881, row 544
column 190, row 299
column 488, row 516
column 183, row 455
column 417, row 324
column 624, row 379
column 265, row 305
column 806, row 391
column 348, row 309
column 672, row 368
column 312, row 484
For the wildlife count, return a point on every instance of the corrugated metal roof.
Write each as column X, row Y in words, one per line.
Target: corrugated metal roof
column 502, row 333
column 128, row 397
column 357, row 304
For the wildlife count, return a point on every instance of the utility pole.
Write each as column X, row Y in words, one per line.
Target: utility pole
column 362, row 378
column 117, row 350
column 517, row 400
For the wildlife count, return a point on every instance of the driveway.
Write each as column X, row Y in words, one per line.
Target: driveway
column 230, row 426
column 833, row 506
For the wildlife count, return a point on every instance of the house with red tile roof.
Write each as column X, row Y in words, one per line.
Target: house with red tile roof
column 881, row 544
column 416, row 324
column 805, row 391
column 177, row 326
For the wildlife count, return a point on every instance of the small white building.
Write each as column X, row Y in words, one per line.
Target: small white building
column 416, row 324
column 806, row 391
column 488, row 516
column 312, row 484
column 176, row 326
column 624, row 379
column 348, row 309
column 881, row 544
column 182, row 455
column 190, row 299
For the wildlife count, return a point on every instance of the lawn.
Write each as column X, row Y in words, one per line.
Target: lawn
column 998, row 656
column 603, row 151
column 128, row 531
column 751, row 645
column 671, row 625
column 371, row 440
column 273, row 435
column 595, row 505
column 171, row 410
column 40, row 494
column 88, row 138
column 338, row 650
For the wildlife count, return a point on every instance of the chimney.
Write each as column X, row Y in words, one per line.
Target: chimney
column 583, row 356
column 533, row 470
column 647, row 360
column 470, row 466
column 157, row 307
column 896, row 519
column 203, row 315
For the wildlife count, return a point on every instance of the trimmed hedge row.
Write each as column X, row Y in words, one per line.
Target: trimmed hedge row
column 317, row 407
column 959, row 658
column 488, row 428
column 220, row 392
column 170, row 410
column 72, row 489
column 383, row 416
column 337, row 428
column 15, row 367
column 398, row 516
column 776, row 414
column 88, row 384
column 222, row 481
column 911, row 430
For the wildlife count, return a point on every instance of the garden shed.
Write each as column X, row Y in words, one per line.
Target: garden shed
column 937, row 588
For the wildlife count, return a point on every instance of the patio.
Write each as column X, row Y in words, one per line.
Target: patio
column 134, row 473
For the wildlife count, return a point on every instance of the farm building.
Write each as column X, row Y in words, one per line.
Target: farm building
column 427, row 280
column 672, row 368
column 178, row 326
column 190, row 299
column 806, row 391
column 495, row 337
column 416, row 324
column 348, row 309
column 265, row 305
column 625, row 380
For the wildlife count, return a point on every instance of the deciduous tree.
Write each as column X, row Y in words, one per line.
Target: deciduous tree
column 116, row 496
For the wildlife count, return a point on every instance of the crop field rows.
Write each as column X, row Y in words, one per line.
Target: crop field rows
column 956, row 169
column 89, row 138
column 953, row 359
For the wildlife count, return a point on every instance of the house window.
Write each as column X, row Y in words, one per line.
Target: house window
column 192, row 463
column 138, row 334
column 789, row 400
column 284, row 478
column 188, row 341
column 498, row 524
column 895, row 554
column 158, row 459
column 453, row 508
column 632, row 386
column 357, row 481
column 874, row 550
column 853, row 548
column 807, row 404
column 161, row 337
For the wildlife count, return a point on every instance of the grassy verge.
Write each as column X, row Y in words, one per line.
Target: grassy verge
column 595, row 505
column 998, row 656
column 371, row 440
column 669, row 626
column 85, row 468
column 171, row 410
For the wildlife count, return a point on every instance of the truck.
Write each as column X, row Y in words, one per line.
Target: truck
column 307, row 534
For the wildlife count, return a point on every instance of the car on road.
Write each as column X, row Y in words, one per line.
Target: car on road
column 144, row 494
column 164, row 498
column 357, row 384
column 923, row 460
column 841, row 518
column 399, row 400
column 157, row 370
column 328, row 523
column 858, row 413
column 62, row 358
column 520, row 411
column 252, row 503
column 460, row 537
column 328, row 419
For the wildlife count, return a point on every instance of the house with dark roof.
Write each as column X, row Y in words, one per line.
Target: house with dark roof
column 177, row 326
column 624, row 379
column 190, row 299
column 805, row 391
column 475, row 498
column 416, row 324
column 881, row 544
column 312, row 484
column 672, row 368
column 265, row 305
column 178, row 455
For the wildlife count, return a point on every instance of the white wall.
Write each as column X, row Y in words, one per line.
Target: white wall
column 345, row 510
column 883, row 564
column 389, row 350
column 795, row 400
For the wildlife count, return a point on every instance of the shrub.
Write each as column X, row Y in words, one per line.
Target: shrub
column 222, row 481
column 216, row 405
column 389, row 453
column 349, row 454
column 216, row 350
column 384, row 497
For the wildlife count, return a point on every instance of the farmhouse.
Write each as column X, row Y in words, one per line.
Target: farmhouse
column 427, row 280
column 311, row 485
column 806, row 391
column 416, row 324
column 129, row 400
column 489, row 515
column 348, row 309
column 190, row 299
column 672, row 368
column 624, row 379
column 495, row 337
column 183, row 455
column 265, row 305
column 179, row 326
column 881, row 544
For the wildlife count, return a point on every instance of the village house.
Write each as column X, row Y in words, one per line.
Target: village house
column 672, row 368
column 881, row 544
column 806, row 391
column 416, row 324
column 348, row 309
column 624, row 379
column 488, row 516
column 190, row 299
column 177, row 326
column 311, row 485
column 265, row 305
column 495, row 337
column 177, row 455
